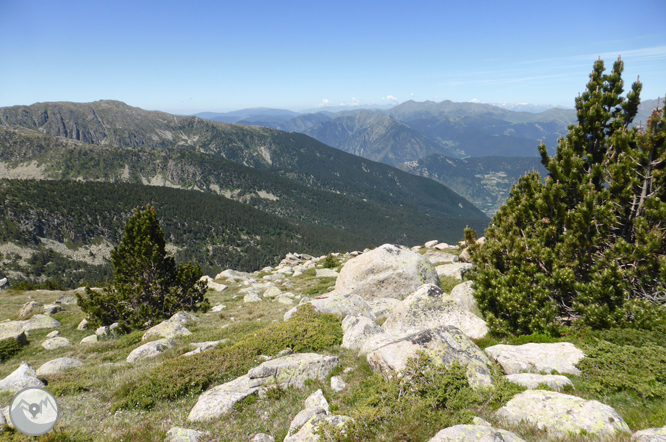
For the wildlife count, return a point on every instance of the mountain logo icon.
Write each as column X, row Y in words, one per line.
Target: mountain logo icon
column 34, row 411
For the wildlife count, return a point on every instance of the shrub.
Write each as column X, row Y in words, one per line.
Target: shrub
column 147, row 284
column 8, row 348
column 307, row 330
column 330, row 262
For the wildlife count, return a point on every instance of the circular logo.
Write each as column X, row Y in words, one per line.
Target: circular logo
column 34, row 411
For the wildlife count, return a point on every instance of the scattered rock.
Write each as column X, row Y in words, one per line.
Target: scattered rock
column 177, row 434
column 15, row 334
column 443, row 345
column 307, row 432
column 465, row 256
column 23, row 377
column 283, row 299
column 317, row 399
column 50, row 309
column 212, row 285
column 357, row 330
column 343, row 305
column 218, row 308
column 650, row 435
column 286, row 270
column 89, row 339
column 263, row 437
column 204, row 346
column 183, row 318
column 3, row 283
column 431, row 244
column 58, row 366
column 536, row 358
column 561, row 414
column 251, row 297
column 436, row 257
column 475, row 433
column 233, row 275
column 29, row 308
column 83, row 325
column 102, row 331
column 428, row 307
column 326, row 273
column 463, row 294
column 456, row 270
column 66, row 299
column 275, row 277
column 150, row 350
column 532, row 380
column 34, row 323
column 272, row 292
column 388, row 271
column 53, row 343
column 382, row 307
column 166, row 329
column 337, row 384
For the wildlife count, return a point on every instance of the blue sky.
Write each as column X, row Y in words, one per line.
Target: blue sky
column 187, row 57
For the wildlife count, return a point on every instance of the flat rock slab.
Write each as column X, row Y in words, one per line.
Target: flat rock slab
column 58, row 366
column 536, row 358
column 436, row 257
column 339, row 305
column 150, row 350
column 533, row 380
column 14, row 334
column 428, row 307
column 251, row 297
column 178, row 434
column 382, row 307
column 183, row 318
column 357, row 331
column 23, row 377
column 50, row 309
column 475, row 433
column 66, row 299
column 34, row 323
column 90, row 340
column 650, row 435
column 561, row 413
column 456, row 270
column 29, row 307
column 216, row 286
column 218, row 308
column 272, row 292
column 389, row 271
column 292, row 370
column 58, row 342
column 166, row 329
column 443, row 345
column 326, row 273
column 307, row 432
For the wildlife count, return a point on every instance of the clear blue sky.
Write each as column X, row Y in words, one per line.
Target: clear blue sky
column 192, row 56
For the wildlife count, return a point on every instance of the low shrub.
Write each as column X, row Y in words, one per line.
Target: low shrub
column 307, row 330
column 9, row 348
column 330, row 262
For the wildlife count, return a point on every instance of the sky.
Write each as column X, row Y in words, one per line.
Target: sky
column 186, row 57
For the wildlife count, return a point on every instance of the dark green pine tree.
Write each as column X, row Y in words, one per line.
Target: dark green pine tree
column 147, row 286
column 587, row 246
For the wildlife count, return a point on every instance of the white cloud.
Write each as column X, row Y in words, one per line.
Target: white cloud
column 324, row 103
column 474, row 100
column 391, row 98
column 412, row 94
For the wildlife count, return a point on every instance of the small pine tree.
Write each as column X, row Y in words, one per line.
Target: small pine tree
column 147, row 284
column 588, row 245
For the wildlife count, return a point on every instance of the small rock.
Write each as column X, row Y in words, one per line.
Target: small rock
column 50, row 309
column 337, row 383
column 83, row 325
column 58, row 366
column 326, row 273
column 282, row 299
column 23, row 377
column 53, row 343
column 307, row 432
column 3, row 282
column 650, row 435
column 53, row 334
column 532, row 380
column 463, row 294
column 66, row 300
column 536, row 358
column 456, row 270
column 167, row 330
column 102, row 331
column 251, row 297
column 272, row 292
column 183, row 318
column 465, row 256
column 89, row 339
column 431, row 244
column 150, row 350
column 177, row 434
column 29, row 308
column 474, row 433
column 262, row 437
column 218, row 308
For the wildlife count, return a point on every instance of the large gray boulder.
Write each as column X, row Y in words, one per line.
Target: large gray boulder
column 382, row 307
column 183, row 318
column 292, row 370
column 650, row 435
column 475, row 433
column 166, row 329
column 23, row 377
column 456, row 270
column 428, row 307
column 388, row 271
column 308, row 432
column 29, row 308
column 150, row 350
column 57, row 342
column 251, row 297
column 178, row 434
column 443, row 345
column 212, row 285
column 16, row 333
column 561, row 414
column 437, row 257
column 536, row 358
column 463, row 294
column 533, row 380
column 58, row 366
column 66, row 299
column 34, row 323
column 339, row 305
column 233, row 275
column 357, row 330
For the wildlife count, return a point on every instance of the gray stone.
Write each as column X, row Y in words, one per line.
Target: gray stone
column 23, row 377
column 29, row 308
column 650, row 435
column 326, row 273
column 437, row 257
column 218, row 308
column 443, row 345
column 177, row 434
column 251, row 297
column 53, row 334
column 465, row 256
column 307, row 432
column 430, row 244
column 54, row 343
column 183, row 318
column 532, row 380
column 292, row 370
column 90, row 340
column 38, row 322
column 150, row 350
column 428, row 307
column 475, row 433
column 382, row 307
column 263, row 437
column 50, row 309
column 343, row 305
column 283, row 299
column 561, row 414
column 275, row 277
column 233, row 274
column 286, row 270
column 272, row 292
column 102, row 331
column 463, row 294
column 166, row 329
column 212, row 285
column 302, row 417
column 536, row 358
column 83, row 325
column 357, row 330
column 58, row 366
column 66, row 299
column 456, row 270
column 3, row 282
column 388, row 271
column 337, row 384
column 15, row 334
column 317, row 399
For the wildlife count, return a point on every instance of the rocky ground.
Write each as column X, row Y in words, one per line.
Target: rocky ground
column 394, row 304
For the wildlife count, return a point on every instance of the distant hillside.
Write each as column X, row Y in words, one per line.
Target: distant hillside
column 485, row 181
